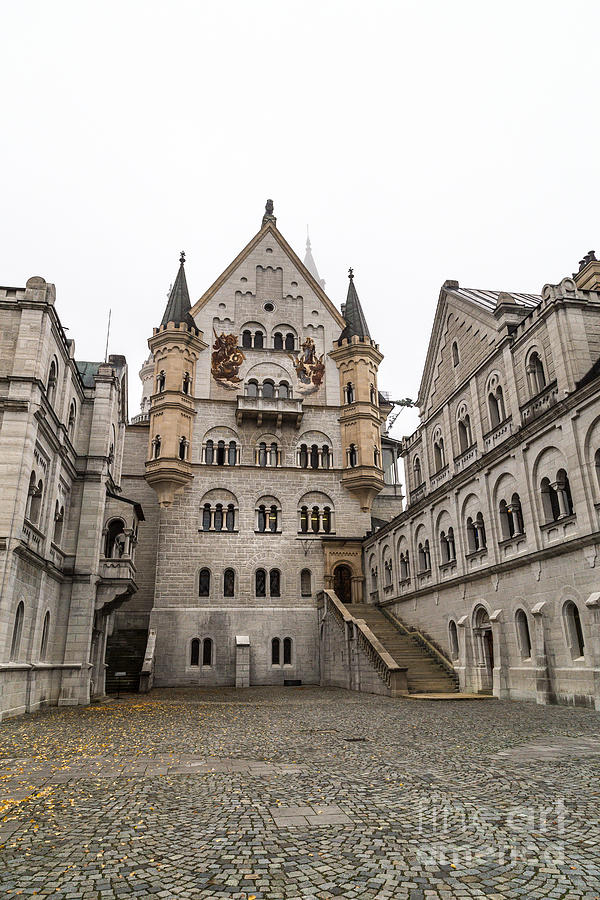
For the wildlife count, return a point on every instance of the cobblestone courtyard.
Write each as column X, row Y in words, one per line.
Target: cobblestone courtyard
column 300, row 792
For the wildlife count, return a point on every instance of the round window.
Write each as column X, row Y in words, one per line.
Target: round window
column 268, row 307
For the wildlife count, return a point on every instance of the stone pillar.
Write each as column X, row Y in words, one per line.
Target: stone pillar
column 242, row 661
column 543, row 689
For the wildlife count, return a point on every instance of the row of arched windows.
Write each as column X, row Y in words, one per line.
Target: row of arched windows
column 315, row 519
column 268, row 390
column 257, row 340
column 263, row 581
column 224, row 517
column 534, row 369
column 266, row 454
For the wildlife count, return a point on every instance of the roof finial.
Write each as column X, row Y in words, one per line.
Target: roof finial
column 351, row 274
column 182, row 257
column 269, row 215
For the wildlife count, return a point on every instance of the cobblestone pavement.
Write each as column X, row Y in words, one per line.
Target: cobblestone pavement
column 300, row 793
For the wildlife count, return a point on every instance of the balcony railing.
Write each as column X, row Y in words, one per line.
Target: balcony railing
column 418, row 492
column 439, row 477
column 538, row 405
column 498, row 434
column 278, row 410
column 466, row 458
column 32, row 536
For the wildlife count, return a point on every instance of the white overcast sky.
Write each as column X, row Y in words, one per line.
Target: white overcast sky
column 420, row 140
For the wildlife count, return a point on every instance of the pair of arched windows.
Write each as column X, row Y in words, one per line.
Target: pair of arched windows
column 439, row 452
column 557, row 501
column 273, row 581
column 206, row 646
column 314, row 457
column 476, row 536
column 388, row 573
column 417, row 472
column 284, row 343
column 228, row 583
column 268, row 518
column 424, row 556
column 256, row 340
column 511, row 517
column 220, row 453
column 277, row 657
column 315, row 519
column 447, row 546
column 35, row 495
column 218, row 517
column 465, row 435
column 536, row 377
column 404, row 566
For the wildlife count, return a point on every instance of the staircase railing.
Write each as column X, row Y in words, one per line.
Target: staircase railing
column 147, row 673
column 425, row 642
column 368, row 646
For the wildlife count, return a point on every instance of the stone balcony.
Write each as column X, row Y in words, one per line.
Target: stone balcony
column 33, row 537
column 418, row 492
column 277, row 411
column 465, row 459
column 439, row 478
column 117, row 582
column 538, row 405
column 498, row 434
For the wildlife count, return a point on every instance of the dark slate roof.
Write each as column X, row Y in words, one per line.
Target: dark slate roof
column 590, row 375
column 178, row 305
column 87, row 370
column 489, row 299
column 354, row 315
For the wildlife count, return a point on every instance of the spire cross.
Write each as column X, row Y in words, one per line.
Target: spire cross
column 182, row 257
column 350, row 274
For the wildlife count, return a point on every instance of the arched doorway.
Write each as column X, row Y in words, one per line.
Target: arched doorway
column 484, row 642
column 342, row 583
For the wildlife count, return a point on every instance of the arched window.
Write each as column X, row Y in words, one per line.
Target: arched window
column 259, row 340
column 187, row 383
column 246, row 339
column 373, row 395
column 289, row 341
column 349, row 391
column 563, row 492
column 209, row 453
column 275, row 652
column 549, row 501
column 404, row 566
column 326, row 456
column 252, row 388
column 206, row 517
column 268, row 389
column 275, row 583
column 476, row 536
column 304, row 456
column 273, row 519
column 261, row 522
column 230, row 517
column 376, row 457
column 114, row 545
column 597, row 466
column 439, row 455
column 72, row 418
column 535, row 374
column 305, row 583
column 45, row 635
column 183, row 445
column 465, row 437
column 232, row 453
column 283, row 390
column 447, row 546
column 260, row 583
column 387, row 573
column 287, row 651
column 36, row 494
column 523, row 636
column 418, row 477
column 59, row 517
column 160, row 382
column 204, row 583
column 278, row 341
column 207, row 652
column 352, row 456
column 574, row 630
column 496, row 406
column 314, row 457
column 52, row 381
column 262, row 454
column 15, row 645
column 273, row 455
column 218, row 526
column 156, row 446
column 315, row 518
column 195, row 652
column 326, row 519
column 455, row 354
column 220, row 453
column 424, row 557
column 453, row 636
column 304, row 519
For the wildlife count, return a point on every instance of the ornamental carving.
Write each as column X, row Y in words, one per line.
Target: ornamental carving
column 226, row 360
column 309, row 367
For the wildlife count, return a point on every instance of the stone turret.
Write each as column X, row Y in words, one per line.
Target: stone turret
column 358, row 358
column 175, row 346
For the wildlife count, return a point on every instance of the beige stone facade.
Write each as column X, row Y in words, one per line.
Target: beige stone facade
column 496, row 555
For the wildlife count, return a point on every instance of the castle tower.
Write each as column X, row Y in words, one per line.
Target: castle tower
column 357, row 358
column 175, row 346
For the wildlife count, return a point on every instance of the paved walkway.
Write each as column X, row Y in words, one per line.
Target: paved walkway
column 300, row 793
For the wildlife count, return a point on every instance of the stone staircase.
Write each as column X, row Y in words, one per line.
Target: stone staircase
column 427, row 674
column 125, row 653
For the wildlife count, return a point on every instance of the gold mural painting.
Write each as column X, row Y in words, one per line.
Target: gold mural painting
column 226, row 360
column 309, row 367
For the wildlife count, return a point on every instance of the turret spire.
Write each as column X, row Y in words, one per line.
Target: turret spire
column 353, row 313
column 309, row 262
column 178, row 306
